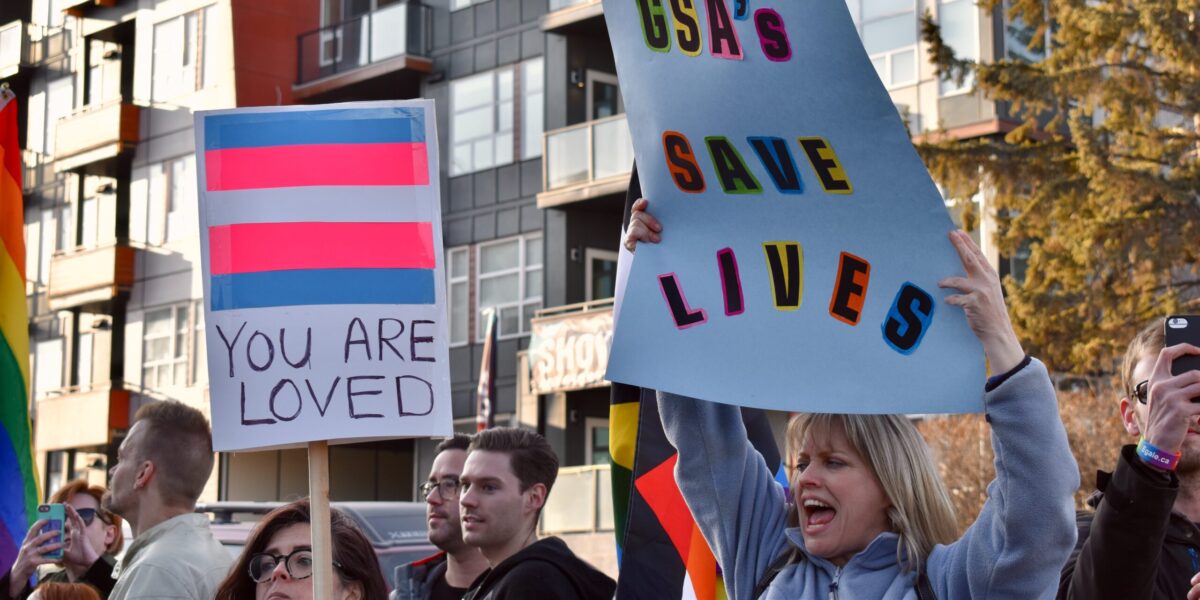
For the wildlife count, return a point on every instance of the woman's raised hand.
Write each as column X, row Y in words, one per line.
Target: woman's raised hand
column 982, row 299
column 643, row 227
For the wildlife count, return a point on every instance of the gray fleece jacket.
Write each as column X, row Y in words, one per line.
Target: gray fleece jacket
column 1015, row 549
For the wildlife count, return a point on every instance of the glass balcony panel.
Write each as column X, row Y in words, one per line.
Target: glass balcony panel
column 613, row 151
column 566, row 157
column 388, row 28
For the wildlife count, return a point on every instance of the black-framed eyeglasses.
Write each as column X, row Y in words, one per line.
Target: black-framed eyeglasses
column 298, row 563
column 1141, row 391
column 447, row 488
column 89, row 514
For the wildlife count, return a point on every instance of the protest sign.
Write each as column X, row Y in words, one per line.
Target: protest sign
column 321, row 243
column 803, row 238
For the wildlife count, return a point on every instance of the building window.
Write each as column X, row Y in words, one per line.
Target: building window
column 600, row 273
column 45, row 109
column 161, row 209
column 180, row 50
column 889, row 33
column 166, row 343
column 510, row 279
column 458, row 274
column 483, row 110
column 597, row 441
column 532, row 111
column 959, row 22
column 48, row 366
column 1017, row 38
column 457, row 4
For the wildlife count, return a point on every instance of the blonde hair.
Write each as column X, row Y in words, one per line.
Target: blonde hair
column 1149, row 341
column 920, row 512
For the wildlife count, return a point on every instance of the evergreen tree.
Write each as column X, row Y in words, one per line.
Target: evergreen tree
column 1099, row 183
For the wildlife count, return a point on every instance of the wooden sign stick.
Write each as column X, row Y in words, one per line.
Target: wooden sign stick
column 318, row 499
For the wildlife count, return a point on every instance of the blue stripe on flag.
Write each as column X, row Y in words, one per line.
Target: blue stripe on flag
column 322, row 286
column 12, row 501
column 342, row 126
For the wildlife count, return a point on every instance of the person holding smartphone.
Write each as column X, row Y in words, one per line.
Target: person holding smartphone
column 1141, row 541
column 91, row 540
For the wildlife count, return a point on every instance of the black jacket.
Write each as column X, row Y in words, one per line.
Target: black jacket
column 546, row 569
column 1133, row 547
column 414, row 580
column 99, row 576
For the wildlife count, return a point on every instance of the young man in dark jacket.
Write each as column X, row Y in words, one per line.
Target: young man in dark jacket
column 506, row 479
column 1142, row 541
column 447, row 574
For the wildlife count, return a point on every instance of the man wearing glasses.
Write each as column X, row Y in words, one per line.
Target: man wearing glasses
column 447, row 574
column 1142, row 540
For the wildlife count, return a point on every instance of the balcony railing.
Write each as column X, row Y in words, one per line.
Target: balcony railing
column 14, row 48
column 561, row 4
column 48, row 44
column 587, row 153
column 397, row 30
column 89, row 276
column 95, row 133
column 39, row 170
column 581, row 502
column 81, row 417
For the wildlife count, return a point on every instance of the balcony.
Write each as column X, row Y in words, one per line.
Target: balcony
column 382, row 53
column 581, row 502
column 39, row 170
column 89, row 139
column 14, row 48
column 76, row 7
column 48, row 44
column 90, row 277
column 566, row 16
column 81, row 418
column 586, row 161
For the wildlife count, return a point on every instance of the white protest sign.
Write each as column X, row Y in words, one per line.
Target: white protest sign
column 803, row 238
column 323, row 278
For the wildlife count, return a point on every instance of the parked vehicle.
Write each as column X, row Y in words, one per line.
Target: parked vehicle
column 395, row 529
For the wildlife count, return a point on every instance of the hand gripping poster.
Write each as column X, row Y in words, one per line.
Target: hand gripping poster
column 803, row 238
column 323, row 278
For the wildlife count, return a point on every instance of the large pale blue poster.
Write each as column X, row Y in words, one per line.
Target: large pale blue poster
column 803, row 238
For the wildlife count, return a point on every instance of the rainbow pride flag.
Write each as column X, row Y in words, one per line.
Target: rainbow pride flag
column 260, row 265
column 18, row 479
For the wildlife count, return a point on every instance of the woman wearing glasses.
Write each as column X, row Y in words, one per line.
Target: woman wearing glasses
column 90, row 544
column 870, row 516
column 277, row 561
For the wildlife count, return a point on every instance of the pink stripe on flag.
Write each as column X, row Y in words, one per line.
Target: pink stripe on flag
column 316, row 164
column 257, row 247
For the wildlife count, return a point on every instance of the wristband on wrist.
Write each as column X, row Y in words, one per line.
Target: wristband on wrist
column 1157, row 458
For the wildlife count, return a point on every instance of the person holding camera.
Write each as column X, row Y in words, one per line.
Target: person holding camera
column 90, row 543
column 1142, row 542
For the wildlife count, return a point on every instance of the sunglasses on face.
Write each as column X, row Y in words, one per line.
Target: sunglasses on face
column 89, row 514
column 1141, row 391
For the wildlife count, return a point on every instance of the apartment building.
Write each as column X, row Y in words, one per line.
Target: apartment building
column 536, row 158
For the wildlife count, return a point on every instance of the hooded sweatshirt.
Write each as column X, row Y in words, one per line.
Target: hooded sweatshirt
column 546, row 569
column 1014, row 549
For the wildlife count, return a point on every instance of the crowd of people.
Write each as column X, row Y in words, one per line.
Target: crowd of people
column 868, row 515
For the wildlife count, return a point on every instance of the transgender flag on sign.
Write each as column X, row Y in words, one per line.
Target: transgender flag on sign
column 312, row 262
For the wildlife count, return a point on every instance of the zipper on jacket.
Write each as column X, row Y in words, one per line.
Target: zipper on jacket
column 1195, row 559
column 833, row 586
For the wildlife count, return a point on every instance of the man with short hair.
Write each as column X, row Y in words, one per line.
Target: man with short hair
column 1142, row 540
column 162, row 467
column 505, row 482
column 448, row 574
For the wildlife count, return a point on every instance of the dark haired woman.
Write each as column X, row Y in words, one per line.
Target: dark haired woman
column 278, row 559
